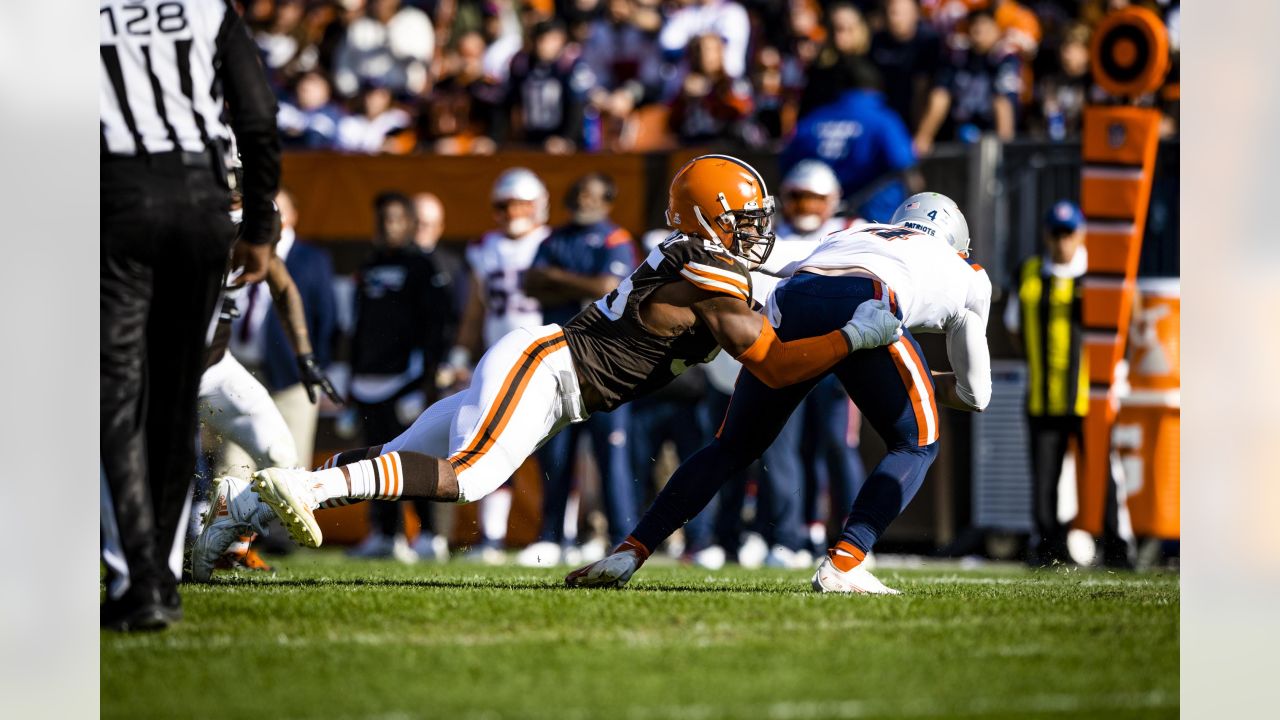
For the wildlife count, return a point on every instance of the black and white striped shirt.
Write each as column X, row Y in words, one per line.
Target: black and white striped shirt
column 173, row 73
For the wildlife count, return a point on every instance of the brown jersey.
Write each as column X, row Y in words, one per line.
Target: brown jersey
column 614, row 353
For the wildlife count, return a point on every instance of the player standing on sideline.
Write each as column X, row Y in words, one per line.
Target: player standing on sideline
column 498, row 306
column 236, row 408
column 919, row 263
column 687, row 300
column 576, row 264
column 168, row 72
column 404, row 320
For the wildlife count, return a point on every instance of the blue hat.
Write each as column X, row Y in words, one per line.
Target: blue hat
column 1064, row 216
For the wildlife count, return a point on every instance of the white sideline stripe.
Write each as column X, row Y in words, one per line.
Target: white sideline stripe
column 1106, row 283
column 1096, row 227
column 716, row 271
column 917, row 378
column 853, row 709
column 699, row 280
column 1112, row 173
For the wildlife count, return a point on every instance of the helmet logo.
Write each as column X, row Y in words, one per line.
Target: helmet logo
column 917, row 226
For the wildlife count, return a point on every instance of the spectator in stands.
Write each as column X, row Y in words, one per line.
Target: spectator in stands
column 864, row 141
column 621, row 47
column 503, row 36
column 378, row 120
column 1063, row 94
column 976, row 92
column 577, row 264
column 458, row 117
column 907, row 52
column 547, row 91
column 391, row 45
column 404, row 321
column 842, row 63
column 259, row 340
column 309, row 120
column 286, row 46
column 711, row 104
column 774, row 103
column 696, row 18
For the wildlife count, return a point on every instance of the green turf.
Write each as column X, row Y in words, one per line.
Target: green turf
column 327, row 637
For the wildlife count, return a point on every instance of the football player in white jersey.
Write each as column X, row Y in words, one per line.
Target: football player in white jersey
column 919, row 262
column 498, row 305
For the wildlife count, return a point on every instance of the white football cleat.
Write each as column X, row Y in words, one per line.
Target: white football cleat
column 752, row 551
column 289, row 495
column 830, row 579
column 711, row 557
column 611, row 571
column 543, row 553
column 233, row 510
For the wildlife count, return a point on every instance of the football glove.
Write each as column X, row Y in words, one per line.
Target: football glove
column 313, row 378
column 872, row 325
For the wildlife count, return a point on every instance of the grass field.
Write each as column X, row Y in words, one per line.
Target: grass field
column 326, row 637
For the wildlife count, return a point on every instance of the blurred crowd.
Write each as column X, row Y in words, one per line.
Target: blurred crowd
column 470, row 76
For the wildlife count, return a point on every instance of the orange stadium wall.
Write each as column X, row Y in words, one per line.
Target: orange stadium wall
column 335, row 192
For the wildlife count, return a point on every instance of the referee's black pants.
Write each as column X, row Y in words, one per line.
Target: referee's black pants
column 1050, row 437
column 165, row 237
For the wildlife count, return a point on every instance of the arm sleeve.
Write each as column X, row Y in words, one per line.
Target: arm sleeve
column 779, row 364
column 253, row 118
column 971, row 359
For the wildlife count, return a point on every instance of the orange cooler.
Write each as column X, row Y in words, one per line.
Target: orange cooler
column 1146, row 433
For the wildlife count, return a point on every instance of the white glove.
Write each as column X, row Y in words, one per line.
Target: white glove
column 872, row 325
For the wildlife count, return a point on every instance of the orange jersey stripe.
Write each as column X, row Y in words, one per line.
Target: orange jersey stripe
column 730, row 278
column 713, row 285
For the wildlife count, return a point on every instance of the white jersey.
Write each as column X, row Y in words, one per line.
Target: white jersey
column 498, row 264
column 937, row 290
column 791, row 245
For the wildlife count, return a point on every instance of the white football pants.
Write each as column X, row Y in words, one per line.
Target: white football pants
column 523, row 391
column 236, row 408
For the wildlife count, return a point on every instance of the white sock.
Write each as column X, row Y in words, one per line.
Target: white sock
column 494, row 512
column 381, row 478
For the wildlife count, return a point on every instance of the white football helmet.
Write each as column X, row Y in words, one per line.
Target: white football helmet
column 810, row 176
column 934, row 214
column 522, row 184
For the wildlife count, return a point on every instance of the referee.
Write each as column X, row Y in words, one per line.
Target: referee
column 171, row 71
